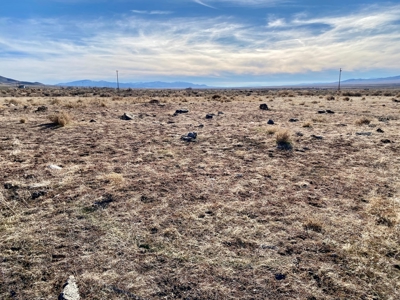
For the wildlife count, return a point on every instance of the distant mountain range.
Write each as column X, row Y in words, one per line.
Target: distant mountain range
column 9, row 81
column 387, row 80
column 154, row 84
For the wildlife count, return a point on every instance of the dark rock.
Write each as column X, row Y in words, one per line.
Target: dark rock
column 41, row 108
column 379, row 130
column 293, row 120
column 39, row 194
column 330, row 111
column 92, row 121
column 285, row 146
column 181, row 111
column 299, row 133
column 154, row 101
column 216, row 97
column 9, row 186
column 280, row 276
column 321, row 111
column 270, row 122
column 200, row 126
column 317, row 137
column 190, row 137
column 395, row 100
column 386, row 141
column 220, row 113
column 146, row 199
column 127, row 116
column 364, row 133
column 209, row 116
column 264, row 106
column 107, row 199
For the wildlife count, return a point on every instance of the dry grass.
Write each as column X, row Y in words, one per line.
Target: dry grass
column 363, row 121
column 137, row 213
column 61, row 119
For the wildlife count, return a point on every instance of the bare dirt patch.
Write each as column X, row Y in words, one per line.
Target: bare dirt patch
column 134, row 211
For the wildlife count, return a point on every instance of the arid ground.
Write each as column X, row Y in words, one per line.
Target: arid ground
column 135, row 212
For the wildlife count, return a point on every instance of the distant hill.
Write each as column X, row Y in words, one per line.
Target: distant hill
column 373, row 81
column 10, row 82
column 155, row 84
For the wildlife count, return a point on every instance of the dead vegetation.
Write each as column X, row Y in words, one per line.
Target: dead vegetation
column 134, row 212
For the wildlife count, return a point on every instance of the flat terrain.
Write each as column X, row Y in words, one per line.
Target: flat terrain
column 134, row 212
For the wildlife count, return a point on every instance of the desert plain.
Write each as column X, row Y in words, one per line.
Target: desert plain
column 133, row 211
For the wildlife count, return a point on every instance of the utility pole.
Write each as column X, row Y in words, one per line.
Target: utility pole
column 117, row 82
column 340, row 77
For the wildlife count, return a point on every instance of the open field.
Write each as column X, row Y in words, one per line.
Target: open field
column 134, row 212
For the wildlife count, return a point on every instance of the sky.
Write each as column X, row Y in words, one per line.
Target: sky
column 215, row 42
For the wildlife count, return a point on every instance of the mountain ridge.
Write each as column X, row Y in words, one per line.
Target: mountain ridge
column 152, row 84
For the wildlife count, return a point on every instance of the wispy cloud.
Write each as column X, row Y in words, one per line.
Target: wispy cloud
column 212, row 47
column 152, row 12
column 204, row 4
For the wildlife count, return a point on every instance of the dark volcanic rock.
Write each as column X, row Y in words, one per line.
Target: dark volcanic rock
column 280, row 276
column 379, row 130
column 364, row 133
column 330, row 111
column 181, row 111
column 386, row 141
column 293, row 120
column 270, row 122
column 190, row 137
column 321, row 111
column 317, row 137
column 209, row 116
column 284, row 146
column 264, row 106
column 127, row 116
column 41, row 108
column 39, row 194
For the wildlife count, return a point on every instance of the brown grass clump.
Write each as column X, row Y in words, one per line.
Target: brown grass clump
column 384, row 211
column 114, row 179
column 22, row 120
column 283, row 139
column 62, row 119
column 363, row 121
column 307, row 124
column 272, row 130
column 313, row 224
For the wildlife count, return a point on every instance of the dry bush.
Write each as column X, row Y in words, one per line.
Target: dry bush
column 330, row 97
column 114, row 179
column 319, row 119
column 62, row 119
column 307, row 124
column 384, row 212
column 313, row 224
column 346, row 99
column 283, row 136
column 272, row 130
column 22, row 120
column 363, row 121
column 55, row 101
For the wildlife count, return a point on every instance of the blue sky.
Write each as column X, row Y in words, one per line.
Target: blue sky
column 216, row 42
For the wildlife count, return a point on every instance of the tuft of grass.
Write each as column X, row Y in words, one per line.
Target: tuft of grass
column 363, row 121
column 383, row 211
column 62, row 119
column 283, row 139
column 313, row 224
column 114, row 179
column 307, row 124
column 272, row 130
column 22, row 120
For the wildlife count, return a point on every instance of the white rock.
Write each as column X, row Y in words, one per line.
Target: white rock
column 55, row 167
column 70, row 291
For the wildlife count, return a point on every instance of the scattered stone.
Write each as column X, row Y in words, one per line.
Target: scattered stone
column 216, row 97
column 285, row 146
column 386, row 141
column 317, row 137
column 364, row 133
column 70, row 290
column 379, row 130
column 41, row 108
column 92, row 121
column 39, row 194
column 321, row 111
column 330, row 111
column 280, row 276
column 107, row 199
column 127, row 116
column 200, row 126
column 55, row 167
column 341, row 125
column 293, row 120
column 209, row 116
column 299, row 133
column 9, row 186
column 190, row 137
column 220, row 113
column 154, row 101
column 395, row 100
column 264, row 106
column 270, row 122
column 181, row 111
